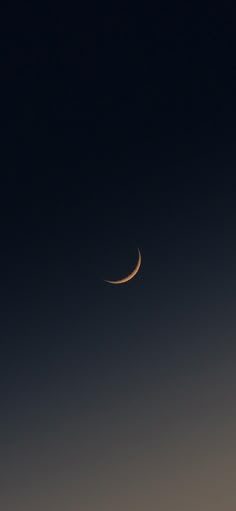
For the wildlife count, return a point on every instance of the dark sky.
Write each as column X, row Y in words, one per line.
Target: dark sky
column 118, row 133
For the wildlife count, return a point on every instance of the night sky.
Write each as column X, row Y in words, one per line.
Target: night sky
column 118, row 132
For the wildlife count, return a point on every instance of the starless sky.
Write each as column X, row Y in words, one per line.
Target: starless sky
column 119, row 132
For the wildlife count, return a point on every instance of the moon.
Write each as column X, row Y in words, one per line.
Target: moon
column 131, row 275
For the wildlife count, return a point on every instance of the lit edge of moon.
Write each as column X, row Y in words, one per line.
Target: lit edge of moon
column 131, row 275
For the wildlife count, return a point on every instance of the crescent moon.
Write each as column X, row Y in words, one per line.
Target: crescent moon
column 131, row 275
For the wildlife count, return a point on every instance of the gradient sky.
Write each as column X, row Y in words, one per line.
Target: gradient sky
column 119, row 132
